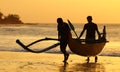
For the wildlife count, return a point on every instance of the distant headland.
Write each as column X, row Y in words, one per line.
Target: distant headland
column 10, row 19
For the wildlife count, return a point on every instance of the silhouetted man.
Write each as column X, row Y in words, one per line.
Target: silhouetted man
column 63, row 30
column 90, row 28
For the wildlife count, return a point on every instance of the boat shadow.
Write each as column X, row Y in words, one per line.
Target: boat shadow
column 83, row 67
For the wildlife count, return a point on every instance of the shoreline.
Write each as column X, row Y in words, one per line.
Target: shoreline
column 47, row 62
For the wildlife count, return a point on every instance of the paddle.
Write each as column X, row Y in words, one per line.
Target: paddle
column 72, row 27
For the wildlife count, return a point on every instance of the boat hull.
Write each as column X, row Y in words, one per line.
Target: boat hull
column 85, row 49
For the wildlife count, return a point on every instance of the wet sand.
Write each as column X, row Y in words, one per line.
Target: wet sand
column 46, row 62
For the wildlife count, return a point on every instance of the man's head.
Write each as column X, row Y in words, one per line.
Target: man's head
column 89, row 18
column 59, row 20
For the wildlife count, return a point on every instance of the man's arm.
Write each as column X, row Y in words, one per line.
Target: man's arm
column 59, row 33
column 82, row 32
column 59, row 36
column 99, row 35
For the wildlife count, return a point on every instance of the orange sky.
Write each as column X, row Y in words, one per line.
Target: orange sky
column 47, row 11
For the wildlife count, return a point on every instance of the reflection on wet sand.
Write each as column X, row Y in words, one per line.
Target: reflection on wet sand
column 64, row 67
column 84, row 67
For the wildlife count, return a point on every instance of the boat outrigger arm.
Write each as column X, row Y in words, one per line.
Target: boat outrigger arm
column 26, row 47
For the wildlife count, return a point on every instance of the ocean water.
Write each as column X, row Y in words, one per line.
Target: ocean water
column 28, row 33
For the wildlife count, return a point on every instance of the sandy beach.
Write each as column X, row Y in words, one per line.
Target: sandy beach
column 48, row 62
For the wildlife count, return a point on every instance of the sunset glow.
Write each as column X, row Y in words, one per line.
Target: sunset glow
column 47, row 11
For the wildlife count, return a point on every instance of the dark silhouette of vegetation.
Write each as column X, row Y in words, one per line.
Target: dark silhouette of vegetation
column 10, row 19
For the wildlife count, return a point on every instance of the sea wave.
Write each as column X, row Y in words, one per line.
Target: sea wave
column 54, row 51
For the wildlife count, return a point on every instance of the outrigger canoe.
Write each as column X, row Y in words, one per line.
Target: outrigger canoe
column 77, row 46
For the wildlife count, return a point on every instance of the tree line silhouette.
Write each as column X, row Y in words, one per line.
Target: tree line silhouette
column 10, row 19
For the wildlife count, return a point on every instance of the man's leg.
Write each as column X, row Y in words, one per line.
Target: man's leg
column 63, row 50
